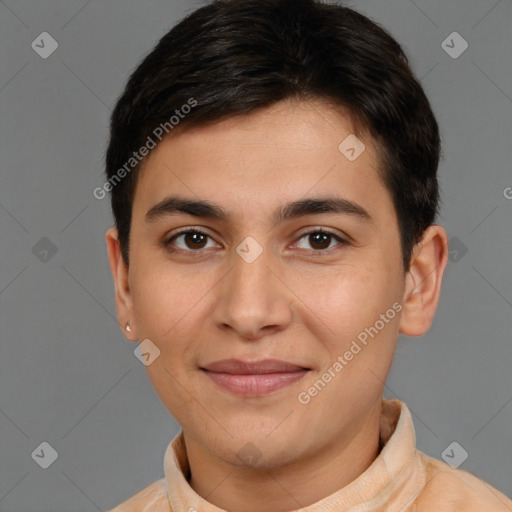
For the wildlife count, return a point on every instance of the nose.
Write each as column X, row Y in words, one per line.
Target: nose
column 252, row 299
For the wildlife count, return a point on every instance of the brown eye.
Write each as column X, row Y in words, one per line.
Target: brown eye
column 320, row 240
column 195, row 240
column 192, row 240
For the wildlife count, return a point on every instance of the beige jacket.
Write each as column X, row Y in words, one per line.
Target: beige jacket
column 400, row 479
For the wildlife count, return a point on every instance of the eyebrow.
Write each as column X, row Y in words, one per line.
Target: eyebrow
column 173, row 205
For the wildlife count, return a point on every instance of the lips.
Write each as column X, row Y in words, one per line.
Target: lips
column 253, row 378
column 239, row 367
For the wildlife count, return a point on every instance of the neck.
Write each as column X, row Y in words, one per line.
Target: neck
column 290, row 487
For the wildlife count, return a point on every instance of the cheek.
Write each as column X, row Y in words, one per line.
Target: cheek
column 165, row 298
column 170, row 311
column 348, row 298
column 166, row 308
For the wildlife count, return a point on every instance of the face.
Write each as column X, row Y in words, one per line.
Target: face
column 273, row 278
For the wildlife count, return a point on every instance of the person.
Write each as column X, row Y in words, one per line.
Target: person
column 272, row 169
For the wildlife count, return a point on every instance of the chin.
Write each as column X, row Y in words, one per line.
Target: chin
column 261, row 452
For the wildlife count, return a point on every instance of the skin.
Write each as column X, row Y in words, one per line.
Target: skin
column 292, row 302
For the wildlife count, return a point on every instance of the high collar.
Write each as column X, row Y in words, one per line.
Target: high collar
column 392, row 481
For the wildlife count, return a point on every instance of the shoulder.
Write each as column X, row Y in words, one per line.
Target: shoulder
column 152, row 498
column 447, row 489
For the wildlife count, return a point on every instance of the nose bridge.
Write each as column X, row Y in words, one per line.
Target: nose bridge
column 250, row 281
column 251, row 269
column 252, row 297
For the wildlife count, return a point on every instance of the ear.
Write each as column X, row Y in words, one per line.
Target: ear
column 423, row 282
column 124, row 303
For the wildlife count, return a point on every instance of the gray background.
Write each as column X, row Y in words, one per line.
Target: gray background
column 68, row 376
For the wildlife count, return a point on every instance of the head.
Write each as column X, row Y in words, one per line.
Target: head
column 243, row 113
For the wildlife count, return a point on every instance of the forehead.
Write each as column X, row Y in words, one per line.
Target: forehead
column 269, row 157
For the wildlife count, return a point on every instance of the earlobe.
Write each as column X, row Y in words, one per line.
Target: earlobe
column 423, row 282
column 124, row 303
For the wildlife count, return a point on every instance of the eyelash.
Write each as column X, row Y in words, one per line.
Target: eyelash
column 168, row 242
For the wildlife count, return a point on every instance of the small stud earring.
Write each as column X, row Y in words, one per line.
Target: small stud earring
column 128, row 327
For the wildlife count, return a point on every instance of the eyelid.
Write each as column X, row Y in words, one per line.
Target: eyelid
column 320, row 229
